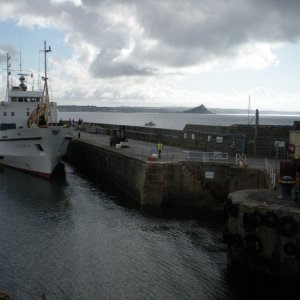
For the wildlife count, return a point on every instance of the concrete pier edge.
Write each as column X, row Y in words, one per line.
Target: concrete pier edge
column 183, row 183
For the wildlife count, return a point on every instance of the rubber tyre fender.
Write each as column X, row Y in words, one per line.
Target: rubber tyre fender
column 236, row 241
column 258, row 218
column 249, row 222
column 252, row 243
column 289, row 249
column 288, row 226
column 271, row 219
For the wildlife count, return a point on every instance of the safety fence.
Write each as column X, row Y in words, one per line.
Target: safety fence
column 175, row 155
column 271, row 168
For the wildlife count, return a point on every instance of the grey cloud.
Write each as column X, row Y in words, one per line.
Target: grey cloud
column 191, row 32
column 106, row 66
column 183, row 32
column 213, row 25
column 4, row 50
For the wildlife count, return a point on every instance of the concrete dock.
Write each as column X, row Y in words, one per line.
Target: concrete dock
column 178, row 178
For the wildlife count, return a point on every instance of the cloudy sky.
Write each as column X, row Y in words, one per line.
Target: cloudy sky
column 160, row 52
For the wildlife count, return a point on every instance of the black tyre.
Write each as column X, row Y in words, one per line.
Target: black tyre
column 289, row 249
column 271, row 219
column 288, row 226
column 252, row 244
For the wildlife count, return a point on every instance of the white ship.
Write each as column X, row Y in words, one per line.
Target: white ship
column 31, row 138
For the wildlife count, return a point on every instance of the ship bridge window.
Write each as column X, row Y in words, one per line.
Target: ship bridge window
column 20, row 99
column 7, row 126
column 27, row 99
column 33, row 99
column 14, row 99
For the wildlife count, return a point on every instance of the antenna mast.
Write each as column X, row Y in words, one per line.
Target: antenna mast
column 8, row 65
column 20, row 60
column 46, row 90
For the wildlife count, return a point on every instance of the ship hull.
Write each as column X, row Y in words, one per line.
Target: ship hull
column 35, row 150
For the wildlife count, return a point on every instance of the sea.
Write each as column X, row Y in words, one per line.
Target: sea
column 74, row 238
column 179, row 120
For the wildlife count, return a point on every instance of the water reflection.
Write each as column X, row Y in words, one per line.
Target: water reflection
column 71, row 238
column 37, row 193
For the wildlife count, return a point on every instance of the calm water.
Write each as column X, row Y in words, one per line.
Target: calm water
column 177, row 120
column 70, row 238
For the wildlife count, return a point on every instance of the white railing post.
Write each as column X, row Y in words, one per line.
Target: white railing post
column 271, row 173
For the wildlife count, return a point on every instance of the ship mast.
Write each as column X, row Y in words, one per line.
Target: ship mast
column 46, row 90
column 41, row 115
column 8, row 65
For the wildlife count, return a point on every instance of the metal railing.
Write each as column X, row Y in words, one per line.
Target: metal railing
column 206, row 156
column 173, row 155
column 272, row 172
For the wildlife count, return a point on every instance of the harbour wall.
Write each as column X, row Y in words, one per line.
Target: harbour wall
column 158, row 184
column 262, row 141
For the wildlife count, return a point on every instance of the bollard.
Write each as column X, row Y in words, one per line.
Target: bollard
column 286, row 183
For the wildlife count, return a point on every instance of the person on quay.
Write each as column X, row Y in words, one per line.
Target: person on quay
column 159, row 147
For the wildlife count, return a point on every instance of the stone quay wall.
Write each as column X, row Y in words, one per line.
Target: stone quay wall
column 267, row 141
column 158, row 184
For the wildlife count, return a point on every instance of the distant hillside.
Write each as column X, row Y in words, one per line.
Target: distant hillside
column 196, row 110
column 125, row 109
column 201, row 109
